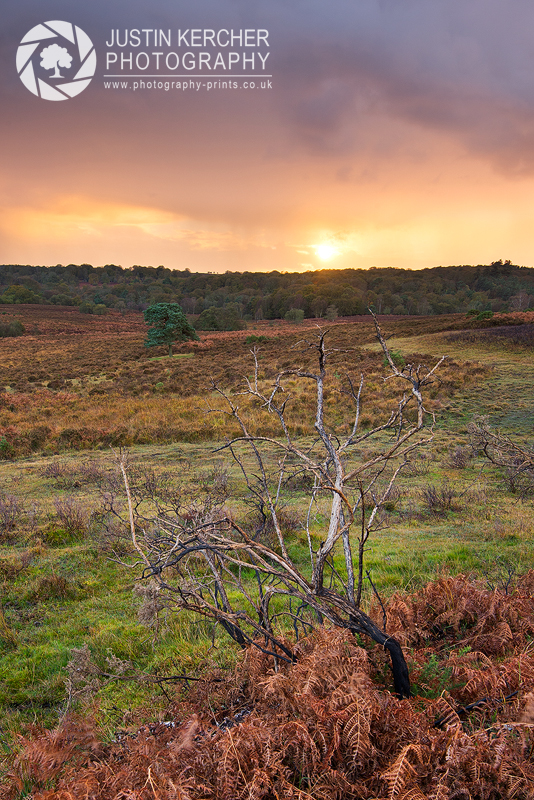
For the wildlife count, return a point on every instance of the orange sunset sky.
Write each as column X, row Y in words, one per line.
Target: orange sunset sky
column 396, row 133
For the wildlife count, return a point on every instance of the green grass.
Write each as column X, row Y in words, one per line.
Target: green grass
column 174, row 355
column 505, row 396
column 103, row 615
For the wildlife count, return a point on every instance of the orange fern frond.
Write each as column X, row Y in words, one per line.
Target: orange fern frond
column 414, row 793
column 444, row 714
column 300, row 751
column 356, row 732
column 527, row 715
column 333, row 785
column 402, row 771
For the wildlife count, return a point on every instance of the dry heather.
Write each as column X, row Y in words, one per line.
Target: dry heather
column 325, row 727
column 100, row 386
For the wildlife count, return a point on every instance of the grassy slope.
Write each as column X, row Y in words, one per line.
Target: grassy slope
column 505, row 396
column 94, row 604
column 494, row 529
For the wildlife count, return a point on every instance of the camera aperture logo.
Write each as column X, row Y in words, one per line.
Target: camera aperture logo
column 56, row 60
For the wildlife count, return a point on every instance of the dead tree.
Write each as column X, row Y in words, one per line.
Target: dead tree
column 226, row 570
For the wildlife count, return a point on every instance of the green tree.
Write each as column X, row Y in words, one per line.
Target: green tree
column 332, row 313
column 294, row 315
column 220, row 319
column 19, row 294
column 167, row 324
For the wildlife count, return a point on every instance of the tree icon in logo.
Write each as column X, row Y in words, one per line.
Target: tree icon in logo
column 54, row 57
column 67, row 47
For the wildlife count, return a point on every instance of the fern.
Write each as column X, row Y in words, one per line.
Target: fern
column 402, row 771
column 356, row 732
column 321, row 729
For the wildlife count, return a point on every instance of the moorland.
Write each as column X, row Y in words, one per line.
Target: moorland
column 75, row 635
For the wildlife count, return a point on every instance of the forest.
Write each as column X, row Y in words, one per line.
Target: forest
column 252, row 296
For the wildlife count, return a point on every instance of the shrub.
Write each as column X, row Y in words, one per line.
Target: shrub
column 38, row 435
column 262, row 524
column 301, row 480
column 397, row 358
column 460, row 457
column 418, row 466
column 72, row 516
column 52, row 587
column 10, row 510
column 14, row 328
column 60, row 472
column 73, row 476
column 253, row 339
column 90, row 472
column 7, row 450
column 7, row 634
column 517, row 479
column 55, row 535
column 516, row 460
column 217, row 482
column 439, row 500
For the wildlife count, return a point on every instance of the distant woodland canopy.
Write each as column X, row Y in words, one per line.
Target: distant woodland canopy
column 237, row 296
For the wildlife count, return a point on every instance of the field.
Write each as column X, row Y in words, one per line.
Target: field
column 75, row 384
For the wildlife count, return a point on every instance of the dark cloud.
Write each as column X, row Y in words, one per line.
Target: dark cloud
column 463, row 68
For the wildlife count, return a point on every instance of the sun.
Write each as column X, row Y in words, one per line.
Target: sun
column 326, row 251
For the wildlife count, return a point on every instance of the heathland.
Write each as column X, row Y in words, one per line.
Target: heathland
column 80, row 632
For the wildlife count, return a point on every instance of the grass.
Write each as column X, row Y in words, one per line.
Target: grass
column 100, row 608
column 60, row 591
column 174, row 355
column 100, row 612
column 170, row 407
column 505, row 394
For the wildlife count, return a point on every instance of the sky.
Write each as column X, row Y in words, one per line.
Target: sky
column 378, row 133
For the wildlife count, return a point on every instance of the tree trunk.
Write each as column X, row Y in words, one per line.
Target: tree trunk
column 401, row 675
column 359, row 622
column 170, row 350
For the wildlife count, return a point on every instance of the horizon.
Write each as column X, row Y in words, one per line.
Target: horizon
column 498, row 262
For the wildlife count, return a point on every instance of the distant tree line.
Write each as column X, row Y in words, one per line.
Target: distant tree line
column 224, row 301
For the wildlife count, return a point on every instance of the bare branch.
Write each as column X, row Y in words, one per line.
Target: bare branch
column 228, row 570
column 119, row 457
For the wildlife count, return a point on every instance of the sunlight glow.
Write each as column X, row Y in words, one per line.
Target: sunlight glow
column 326, row 251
